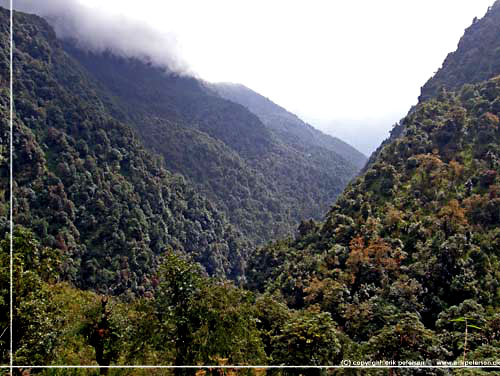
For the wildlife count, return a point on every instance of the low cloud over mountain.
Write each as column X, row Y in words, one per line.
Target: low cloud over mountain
column 100, row 31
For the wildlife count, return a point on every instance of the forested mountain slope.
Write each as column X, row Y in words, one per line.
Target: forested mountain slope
column 108, row 218
column 476, row 59
column 85, row 185
column 412, row 245
column 406, row 266
column 264, row 184
column 289, row 127
column 416, row 236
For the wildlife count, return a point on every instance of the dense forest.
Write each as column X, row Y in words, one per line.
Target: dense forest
column 248, row 169
column 412, row 244
column 85, row 185
column 126, row 252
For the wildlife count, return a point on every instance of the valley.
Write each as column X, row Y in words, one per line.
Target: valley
column 163, row 220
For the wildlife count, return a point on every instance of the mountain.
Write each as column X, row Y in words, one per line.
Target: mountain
column 404, row 268
column 264, row 183
column 476, row 59
column 102, row 221
column 292, row 130
column 411, row 246
column 83, row 122
column 409, row 251
column 85, row 184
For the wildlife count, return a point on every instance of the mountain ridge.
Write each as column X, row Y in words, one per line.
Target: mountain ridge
column 175, row 113
column 290, row 126
column 466, row 65
column 476, row 58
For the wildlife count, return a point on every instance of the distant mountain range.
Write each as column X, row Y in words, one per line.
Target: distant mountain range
column 251, row 163
column 288, row 126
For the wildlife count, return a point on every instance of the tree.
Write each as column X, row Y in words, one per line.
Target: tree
column 452, row 217
column 407, row 339
column 179, row 287
column 35, row 316
column 102, row 333
column 227, row 326
column 307, row 338
column 206, row 321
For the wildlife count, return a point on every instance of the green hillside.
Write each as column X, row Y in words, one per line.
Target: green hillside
column 251, row 172
column 413, row 243
column 292, row 130
column 476, row 59
column 84, row 183
column 118, row 261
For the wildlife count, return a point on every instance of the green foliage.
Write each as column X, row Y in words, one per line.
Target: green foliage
column 404, row 267
column 253, row 170
column 413, row 238
column 102, row 332
column 89, row 190
column 307, row 338
column 35, row 316
column 208, row 322
column 405, row 339
column 85, row 185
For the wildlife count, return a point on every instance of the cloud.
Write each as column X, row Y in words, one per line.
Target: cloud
column 98, row 31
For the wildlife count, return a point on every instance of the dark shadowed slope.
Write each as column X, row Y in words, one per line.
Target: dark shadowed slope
column 263, row 184
column 288, row 127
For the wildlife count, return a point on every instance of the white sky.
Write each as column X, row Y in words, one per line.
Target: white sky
column 351, row 68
